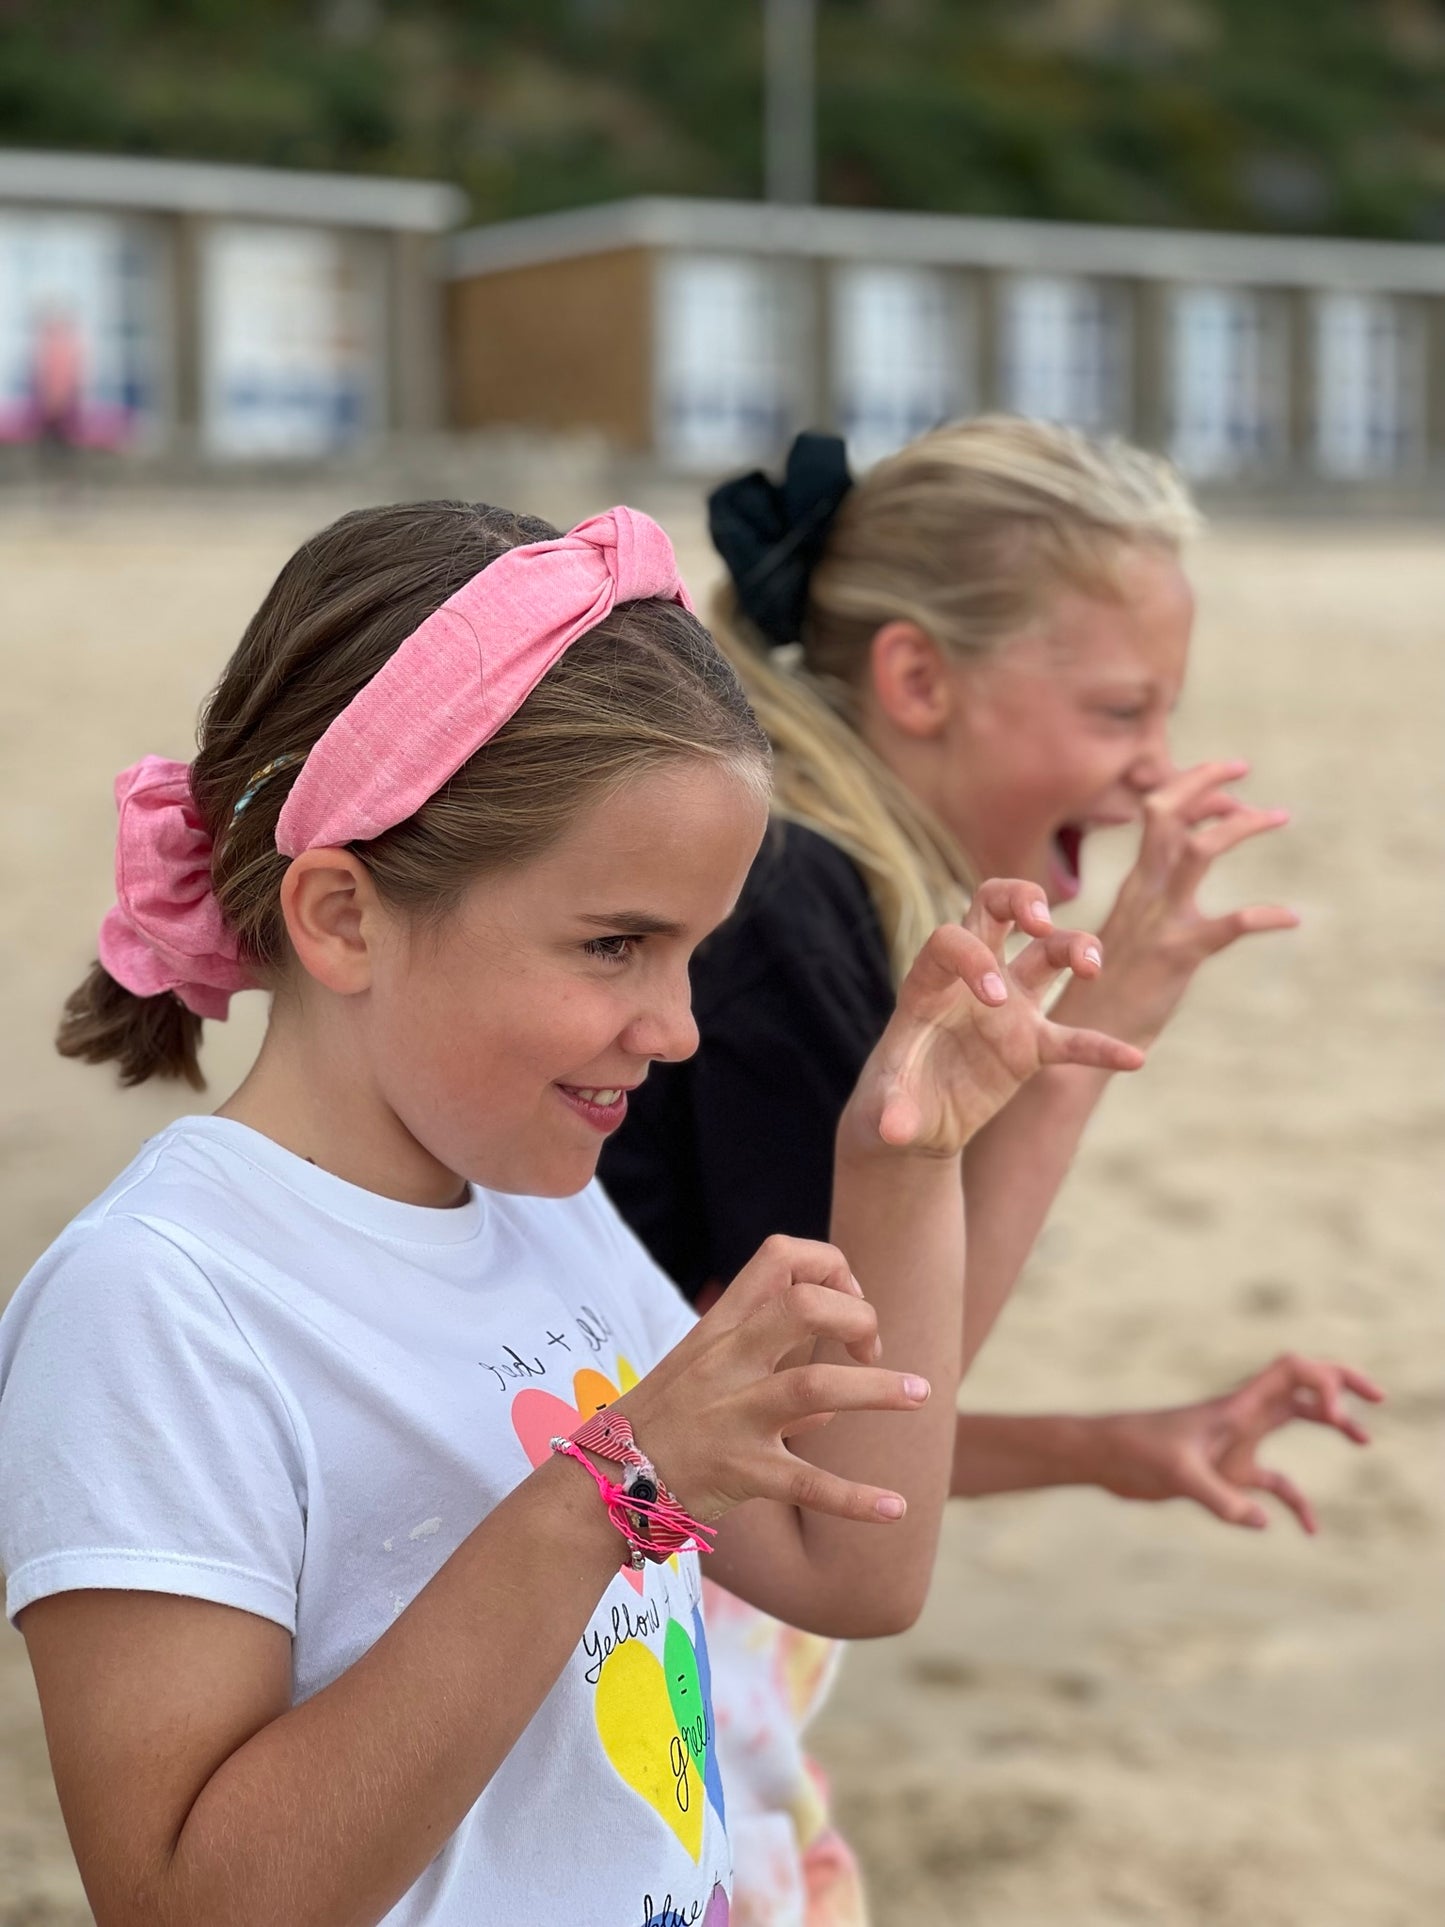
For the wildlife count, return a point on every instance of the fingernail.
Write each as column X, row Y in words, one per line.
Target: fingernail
column 1258, row 1519
column 855, row 1284
column 1092, row 956
column 915, row 1388
column 1042, row 910
column 994, row 986
column 877, row 1346
column 890, row 1506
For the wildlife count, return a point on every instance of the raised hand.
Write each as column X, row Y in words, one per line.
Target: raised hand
column 1156, row 933
column 1208, row 1452
column 714, row 1414
column 970, row 1027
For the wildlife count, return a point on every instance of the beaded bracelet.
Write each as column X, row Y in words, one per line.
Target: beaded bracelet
column 650, row 1519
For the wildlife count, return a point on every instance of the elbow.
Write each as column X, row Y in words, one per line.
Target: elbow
column 898, row 1613
column 876, row 1615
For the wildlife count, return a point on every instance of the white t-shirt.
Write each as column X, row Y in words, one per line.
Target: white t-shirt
column 238, row 1378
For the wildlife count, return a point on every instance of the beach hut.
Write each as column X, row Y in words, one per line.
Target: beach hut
column 230, row 312
column 705, row 332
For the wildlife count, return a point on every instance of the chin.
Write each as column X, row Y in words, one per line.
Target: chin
column 546, row 1177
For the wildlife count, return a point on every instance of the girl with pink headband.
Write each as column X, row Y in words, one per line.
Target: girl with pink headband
column 357, row 1466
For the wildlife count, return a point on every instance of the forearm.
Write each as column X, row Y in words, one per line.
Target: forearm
column 329, row 1813
column 1012, row 1172
column 995, row 1453
column 898, row 1219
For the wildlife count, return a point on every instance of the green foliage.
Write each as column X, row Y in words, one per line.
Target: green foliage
column 1269, row 114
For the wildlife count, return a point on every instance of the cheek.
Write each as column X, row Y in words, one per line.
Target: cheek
column 1074, row 761
column 501, row 1036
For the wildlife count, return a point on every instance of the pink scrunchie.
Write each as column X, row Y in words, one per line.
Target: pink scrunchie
column 447, row 690
column 166, row 931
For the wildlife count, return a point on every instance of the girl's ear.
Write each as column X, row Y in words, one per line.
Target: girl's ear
column 910, row 682
column 330, row 905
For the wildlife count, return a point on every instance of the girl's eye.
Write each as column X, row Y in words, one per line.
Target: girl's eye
column 1124, row 715
column 611, row 949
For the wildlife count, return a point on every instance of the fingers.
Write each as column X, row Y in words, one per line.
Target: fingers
column 1309, row 1408
column 1318, row 1388
column 1217, row 933
column 781, row 1262
column 1190, row 788
column 1202, row 847
column 1059, row 1044
column 793, row 1481
column 1000, row 903
column 1036, row 966
column 804, row 1314
column 790, row 1401
column 952, row 955
column 1288, row 1493
column 1203, row 809
column 1360, row 1383
column 1205, row 1486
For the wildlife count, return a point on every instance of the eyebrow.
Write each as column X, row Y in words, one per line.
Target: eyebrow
column 637, row 923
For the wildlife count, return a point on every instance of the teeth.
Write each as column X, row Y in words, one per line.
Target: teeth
column 604, row 1098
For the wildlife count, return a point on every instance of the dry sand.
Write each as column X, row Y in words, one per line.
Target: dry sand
column 1108, row 1714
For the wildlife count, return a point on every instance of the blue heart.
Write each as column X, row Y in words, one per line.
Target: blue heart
column 712, row 1778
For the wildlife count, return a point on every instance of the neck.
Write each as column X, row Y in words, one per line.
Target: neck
column 308, row 1092
column 919, row 764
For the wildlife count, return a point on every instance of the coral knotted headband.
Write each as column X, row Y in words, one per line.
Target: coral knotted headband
column 445, row 691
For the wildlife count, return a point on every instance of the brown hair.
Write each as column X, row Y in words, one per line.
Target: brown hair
column 967, row 532
column 646, row 685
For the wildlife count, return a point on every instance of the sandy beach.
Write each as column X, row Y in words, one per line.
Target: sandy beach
column 1108, row 1714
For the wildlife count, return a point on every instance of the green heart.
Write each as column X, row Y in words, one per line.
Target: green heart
column 684, row 1691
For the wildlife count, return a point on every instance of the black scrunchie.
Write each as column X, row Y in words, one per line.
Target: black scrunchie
column 771, row 534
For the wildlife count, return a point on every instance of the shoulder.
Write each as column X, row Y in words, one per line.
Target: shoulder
column 798, row 869
column 115, row 1301
column 136, row 1284
column 805, row 913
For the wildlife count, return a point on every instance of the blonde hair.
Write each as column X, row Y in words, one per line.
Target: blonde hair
column 968, row 532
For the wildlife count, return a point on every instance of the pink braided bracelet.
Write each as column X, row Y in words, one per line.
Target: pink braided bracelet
column 647, row 1515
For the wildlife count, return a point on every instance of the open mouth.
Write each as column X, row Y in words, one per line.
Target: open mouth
column 1068, row 846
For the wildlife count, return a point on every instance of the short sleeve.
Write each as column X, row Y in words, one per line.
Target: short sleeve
column 143, row 1446
column 791, row 995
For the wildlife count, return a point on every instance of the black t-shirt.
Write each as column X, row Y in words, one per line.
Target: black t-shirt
column 790, row 996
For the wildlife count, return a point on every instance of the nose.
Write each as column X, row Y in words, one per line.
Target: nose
column 1154, row 765
column 666, row 1029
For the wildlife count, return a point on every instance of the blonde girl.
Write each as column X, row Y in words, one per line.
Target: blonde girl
column 966, row 663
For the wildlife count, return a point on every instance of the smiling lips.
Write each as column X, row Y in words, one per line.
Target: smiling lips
column 603, row 1107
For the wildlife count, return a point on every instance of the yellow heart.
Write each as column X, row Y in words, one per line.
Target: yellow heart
column 640, row 1738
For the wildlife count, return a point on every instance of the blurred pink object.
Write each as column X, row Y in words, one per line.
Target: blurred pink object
column 58, row 373
column 166, row 931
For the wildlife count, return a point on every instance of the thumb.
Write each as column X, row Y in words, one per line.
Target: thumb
column 1225, row 1501
column 901, row 1118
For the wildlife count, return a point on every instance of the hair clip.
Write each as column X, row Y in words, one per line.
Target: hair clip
column 259, row 776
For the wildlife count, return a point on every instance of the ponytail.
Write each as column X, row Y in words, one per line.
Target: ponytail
column 144, row 1037
column 827, row 779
